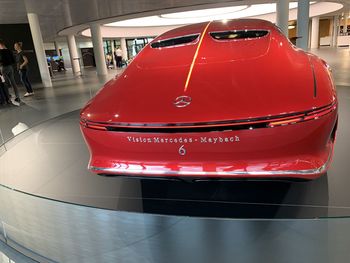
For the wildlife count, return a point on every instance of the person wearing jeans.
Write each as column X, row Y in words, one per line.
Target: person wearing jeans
column 22, row 66
column 6, row 61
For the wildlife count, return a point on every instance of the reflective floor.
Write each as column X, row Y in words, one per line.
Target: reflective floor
column 53, row 159
column 68, row 93
column 50, row 160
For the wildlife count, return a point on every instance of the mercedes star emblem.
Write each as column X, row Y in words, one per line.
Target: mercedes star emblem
column 182, row 101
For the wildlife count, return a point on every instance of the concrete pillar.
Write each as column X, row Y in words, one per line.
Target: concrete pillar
column 335, row 31
column 73, row 53
column 39, row 49
column 282, row 15
column 67, row 13
column 57, row 47
column 303, row 23
column 124, row 49
column 97, row 42
column 315, row 27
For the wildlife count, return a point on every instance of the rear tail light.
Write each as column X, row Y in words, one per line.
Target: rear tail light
column 312, row 115
column 94, row 126
column 284, row 122
column 267, row 122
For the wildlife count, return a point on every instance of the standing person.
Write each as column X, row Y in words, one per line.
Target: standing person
column 7, row 61
column 3, row 94
column 22, row 66
column 108, row 60
column 118, row 57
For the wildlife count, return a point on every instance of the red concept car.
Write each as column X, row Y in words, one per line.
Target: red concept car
column 219, row 99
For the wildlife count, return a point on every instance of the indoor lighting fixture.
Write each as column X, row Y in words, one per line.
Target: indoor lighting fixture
column 209, row 14
column 205, row 12
column 203, row 15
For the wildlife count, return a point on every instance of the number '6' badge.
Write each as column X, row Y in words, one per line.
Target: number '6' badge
column 182, row 150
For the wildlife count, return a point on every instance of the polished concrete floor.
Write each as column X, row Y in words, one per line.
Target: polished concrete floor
column 339, row 60
column 68, row 93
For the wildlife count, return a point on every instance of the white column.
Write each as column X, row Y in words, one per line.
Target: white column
column 303, row 24
column 97, row 42
column 124, row 48
column 335, row 31
column 57, row 47
column 315, row 25
column 282, row 15
column 73, row 53
column 39, row 49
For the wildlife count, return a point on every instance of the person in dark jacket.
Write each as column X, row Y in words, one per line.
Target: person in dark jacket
column 7, row 61
column 22, row 67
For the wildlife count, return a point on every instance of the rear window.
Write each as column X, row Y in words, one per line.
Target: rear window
column 239, row 34
column 177, row 41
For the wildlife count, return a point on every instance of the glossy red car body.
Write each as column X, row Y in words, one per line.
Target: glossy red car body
column 216, row 100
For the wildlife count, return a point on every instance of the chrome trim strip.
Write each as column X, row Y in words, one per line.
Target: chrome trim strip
column 318, row 170
column 213, row 123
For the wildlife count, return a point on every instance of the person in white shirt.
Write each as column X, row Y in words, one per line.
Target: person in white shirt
column 118, row 55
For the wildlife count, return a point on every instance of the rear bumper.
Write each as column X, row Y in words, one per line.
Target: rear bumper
column 149, row 171
column 302, row 150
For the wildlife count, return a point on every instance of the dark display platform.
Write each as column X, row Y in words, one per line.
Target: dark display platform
column 50, row 161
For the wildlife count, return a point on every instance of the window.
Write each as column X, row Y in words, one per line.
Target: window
column 135, row 45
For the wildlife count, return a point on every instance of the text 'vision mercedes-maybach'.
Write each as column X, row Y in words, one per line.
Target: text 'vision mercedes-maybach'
column 230, row 99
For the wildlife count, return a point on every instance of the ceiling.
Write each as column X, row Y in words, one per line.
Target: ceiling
column 60, row 15
column 264, row 11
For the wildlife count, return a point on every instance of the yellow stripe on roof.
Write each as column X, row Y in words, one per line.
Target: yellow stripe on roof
column 195, row 57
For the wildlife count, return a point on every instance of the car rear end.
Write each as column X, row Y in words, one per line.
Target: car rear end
column 215, row 100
